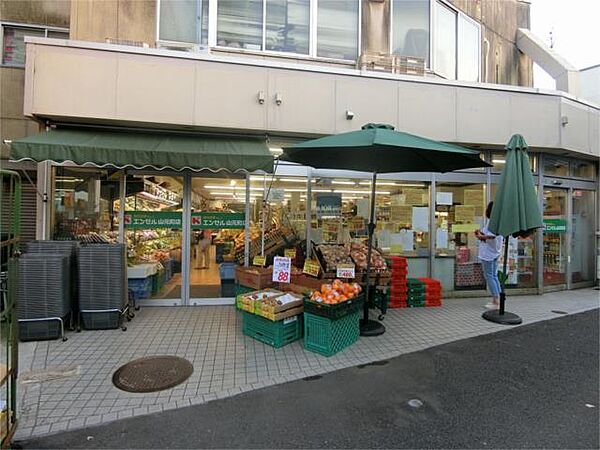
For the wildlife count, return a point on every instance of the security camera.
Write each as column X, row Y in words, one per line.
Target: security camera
column 349, row 115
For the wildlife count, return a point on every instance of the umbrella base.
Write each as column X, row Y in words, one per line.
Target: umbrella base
column 371, row 328
column 507, row 318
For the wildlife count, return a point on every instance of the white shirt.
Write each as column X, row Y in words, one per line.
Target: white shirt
column 490, row 249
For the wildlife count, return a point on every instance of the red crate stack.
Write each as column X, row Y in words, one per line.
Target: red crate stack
column 399, row 287
column 433, row 291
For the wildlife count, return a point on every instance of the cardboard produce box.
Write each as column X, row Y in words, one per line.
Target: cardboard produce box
column 250, row 300
column 278, row 307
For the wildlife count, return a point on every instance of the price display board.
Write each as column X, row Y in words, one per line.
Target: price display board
column 282, row 268
column 311, row 267
column 345, row 271
column 259, row 261
column 289, row 253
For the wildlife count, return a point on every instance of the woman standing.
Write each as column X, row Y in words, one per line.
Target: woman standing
column 490, row 247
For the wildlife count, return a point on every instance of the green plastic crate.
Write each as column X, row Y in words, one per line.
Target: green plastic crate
column 326, row 336
column 276, row 334
column 239, row 291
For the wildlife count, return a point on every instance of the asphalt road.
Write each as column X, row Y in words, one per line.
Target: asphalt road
column 529, row 387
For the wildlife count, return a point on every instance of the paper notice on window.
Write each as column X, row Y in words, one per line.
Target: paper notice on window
column 420, row 219
column 443, row 198
column 464, row 213
column 413, row 196
column 404, row 240
column 441, row 238
column 473, row 197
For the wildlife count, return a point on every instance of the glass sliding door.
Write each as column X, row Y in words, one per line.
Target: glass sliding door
column 582, row 236
column 555, row 236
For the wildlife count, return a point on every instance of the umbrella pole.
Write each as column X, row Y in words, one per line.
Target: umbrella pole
column 499, row 315
column 370, row 327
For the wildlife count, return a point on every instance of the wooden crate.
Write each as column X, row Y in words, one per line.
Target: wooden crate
column 254, row 277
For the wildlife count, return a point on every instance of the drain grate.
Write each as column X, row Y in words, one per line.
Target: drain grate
column 152, row 373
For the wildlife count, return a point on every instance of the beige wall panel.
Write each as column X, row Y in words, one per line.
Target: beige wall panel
column 308, row 102
column 482, row 116
column 137, row 21
column 370, row 100
column 594, row 131
column 543, row 130
column 94, row 20
column 428, row 110
column 227, row 96
column 153, row 89
column 575, row 134
column 40, row 12
column 74, row 82
column 11, row 92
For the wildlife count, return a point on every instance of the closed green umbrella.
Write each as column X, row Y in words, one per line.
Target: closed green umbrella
column 516, row 212
column 378, row 148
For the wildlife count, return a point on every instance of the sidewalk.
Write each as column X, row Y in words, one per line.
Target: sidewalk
column 226, row 362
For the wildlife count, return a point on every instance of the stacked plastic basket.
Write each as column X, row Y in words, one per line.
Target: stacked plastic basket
column 399, row 287
column 424, row 292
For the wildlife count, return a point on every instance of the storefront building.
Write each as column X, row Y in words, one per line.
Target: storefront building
column 253, row 86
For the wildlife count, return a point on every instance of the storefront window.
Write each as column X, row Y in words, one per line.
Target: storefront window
column 240, row 24
column 287, row 25
column 337, row 29
column 468, row 49
column 410, row 28
column 499, row 161
column 555, row 233
column 582, row 241
column 86, row 205
column 445, row 41
column 13, row 44
column 459, row 211
column 556, row 167
column 184, row 21
column 583, row 169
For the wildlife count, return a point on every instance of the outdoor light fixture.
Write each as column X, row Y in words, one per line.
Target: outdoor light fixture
column 349, row 115
column 564, row 120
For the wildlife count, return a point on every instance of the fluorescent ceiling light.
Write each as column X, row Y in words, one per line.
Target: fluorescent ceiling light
column 344, row 191
column 499, row 161
column 276, row 150
column 391, row 183
column 350, row 183
column 295, row 180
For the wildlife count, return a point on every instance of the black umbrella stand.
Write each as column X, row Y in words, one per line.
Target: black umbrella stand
column 500, row 315
column 370, row 327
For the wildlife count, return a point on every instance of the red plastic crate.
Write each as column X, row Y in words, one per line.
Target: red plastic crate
column 398, row 305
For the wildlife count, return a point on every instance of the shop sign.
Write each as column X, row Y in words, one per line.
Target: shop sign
column 259, row 261
column 329, row 205
column 282, row 269
column 555, row 226
column 345, row 271
column 152, row 219
column 289, row 253
column 311, row 267
column 276, row 195
column 217, row 220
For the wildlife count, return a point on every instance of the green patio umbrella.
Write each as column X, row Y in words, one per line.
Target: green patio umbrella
column 378, row 148
column 516, row 213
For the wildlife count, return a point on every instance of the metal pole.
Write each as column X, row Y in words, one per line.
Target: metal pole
column 505, row 272
column 569, row 237
column 540, row 233
column 432, row 225
column 262, row 216
column 247, row 224
column 308, row 212
column 186, row 239
column 122, row 191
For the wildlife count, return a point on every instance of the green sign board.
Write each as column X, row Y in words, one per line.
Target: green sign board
column 152, row 219
column 555, row 226
column 200, row 220
column 218, row 221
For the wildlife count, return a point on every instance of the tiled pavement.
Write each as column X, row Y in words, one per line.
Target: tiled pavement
column 226, row 362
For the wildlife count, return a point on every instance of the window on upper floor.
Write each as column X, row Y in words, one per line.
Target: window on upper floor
column 457, row 44
column 410, row 28
column 13, row 41
column 323, row 28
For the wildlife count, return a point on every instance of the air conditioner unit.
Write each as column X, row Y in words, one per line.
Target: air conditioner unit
column 183, row 47
column 126, row 42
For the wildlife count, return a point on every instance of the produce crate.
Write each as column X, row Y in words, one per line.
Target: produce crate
column 327, row 270
column 227, row 271
column 39, row 330
column 239, row 293
column 326, row 336
column 336, row 311
column 103, row 320
column 276, row 334
column 247, row 303
column 254, row 277
column 140, row 288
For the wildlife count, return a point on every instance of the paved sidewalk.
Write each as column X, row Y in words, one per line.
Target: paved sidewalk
column 226, row 362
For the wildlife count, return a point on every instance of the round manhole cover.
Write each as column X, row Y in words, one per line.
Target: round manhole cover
column 152, row 373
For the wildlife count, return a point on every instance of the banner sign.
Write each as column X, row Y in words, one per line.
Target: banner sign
column 329, row 205
column 172, row 219
column 218, row 220
column 555, row 226
column 152, row 219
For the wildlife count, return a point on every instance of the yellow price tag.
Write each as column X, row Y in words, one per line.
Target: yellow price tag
column 259, row 261
column 289, row 253
column 311, row 267
column 464, row 227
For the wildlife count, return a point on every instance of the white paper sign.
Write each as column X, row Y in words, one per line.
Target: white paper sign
column 420, row 218
column 345, row 271
column 405, row 239
column 441, row 238
column 282, row 268
column 276, row 196
column 443, row 198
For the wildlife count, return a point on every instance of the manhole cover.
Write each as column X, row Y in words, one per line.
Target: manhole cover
column 152, row 373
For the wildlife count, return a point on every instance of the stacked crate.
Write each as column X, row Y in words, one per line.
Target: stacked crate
column 433, row 291
column 416, row 293
column 399, row 286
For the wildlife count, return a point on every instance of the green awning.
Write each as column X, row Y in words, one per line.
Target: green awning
column 145, row 150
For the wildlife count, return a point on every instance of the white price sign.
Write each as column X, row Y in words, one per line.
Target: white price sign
column 282, row 269
column 345, row 271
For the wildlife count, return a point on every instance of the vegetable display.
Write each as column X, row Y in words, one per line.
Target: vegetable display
column 336, row 292
column 358, row 252
column 334, row 255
